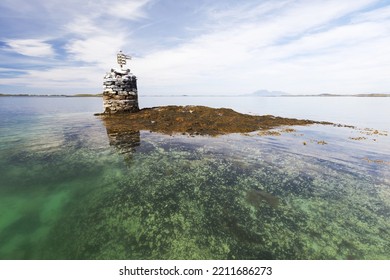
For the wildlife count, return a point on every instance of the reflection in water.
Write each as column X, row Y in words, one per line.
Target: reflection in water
column 124, row 140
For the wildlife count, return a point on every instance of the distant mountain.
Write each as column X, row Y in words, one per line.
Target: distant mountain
column 264, row 92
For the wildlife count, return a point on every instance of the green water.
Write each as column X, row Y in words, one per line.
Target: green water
column 71, row 190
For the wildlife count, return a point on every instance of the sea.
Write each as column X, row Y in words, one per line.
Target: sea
column 70, row 188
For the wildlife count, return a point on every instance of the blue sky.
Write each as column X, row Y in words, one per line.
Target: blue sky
column 196, row 46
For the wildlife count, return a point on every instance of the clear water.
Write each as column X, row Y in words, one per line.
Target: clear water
column 70, row 189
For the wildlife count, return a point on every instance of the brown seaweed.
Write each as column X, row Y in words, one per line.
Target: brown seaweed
column 196, row 120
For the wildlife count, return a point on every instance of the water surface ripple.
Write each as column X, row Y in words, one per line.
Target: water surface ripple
column 71, row 189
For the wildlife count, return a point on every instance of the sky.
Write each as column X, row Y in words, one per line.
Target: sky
column 200, row 47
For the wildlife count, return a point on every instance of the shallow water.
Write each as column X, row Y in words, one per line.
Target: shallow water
column 70, row 189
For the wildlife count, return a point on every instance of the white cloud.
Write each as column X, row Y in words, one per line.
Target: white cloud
column 294, row 46
column 101, row 34
column 99, row 50
column 247, row 11
column 130, row 10
column 59, row 78
column 329, row 41
column 30, row 47
column 382, row 13
column 82, row 26
column 298, row 49
column 95, row 31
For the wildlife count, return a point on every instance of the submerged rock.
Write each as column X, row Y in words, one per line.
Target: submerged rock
column 257, row 197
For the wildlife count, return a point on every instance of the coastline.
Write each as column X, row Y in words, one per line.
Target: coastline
column 192, row 95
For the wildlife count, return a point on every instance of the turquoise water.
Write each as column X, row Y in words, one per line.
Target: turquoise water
column 71, row 189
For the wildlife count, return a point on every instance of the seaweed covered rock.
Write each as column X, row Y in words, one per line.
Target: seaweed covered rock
column 196, row 120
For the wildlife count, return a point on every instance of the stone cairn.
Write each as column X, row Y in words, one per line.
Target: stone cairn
column 120, row 89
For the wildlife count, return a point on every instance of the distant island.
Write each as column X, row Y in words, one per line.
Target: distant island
column 349, row 95
column 52, row 95
column 259, row 93
column 268, row 93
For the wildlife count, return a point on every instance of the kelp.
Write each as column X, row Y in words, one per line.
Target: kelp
column 180, row 204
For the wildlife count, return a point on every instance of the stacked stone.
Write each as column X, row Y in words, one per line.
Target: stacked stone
column 120, row 92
